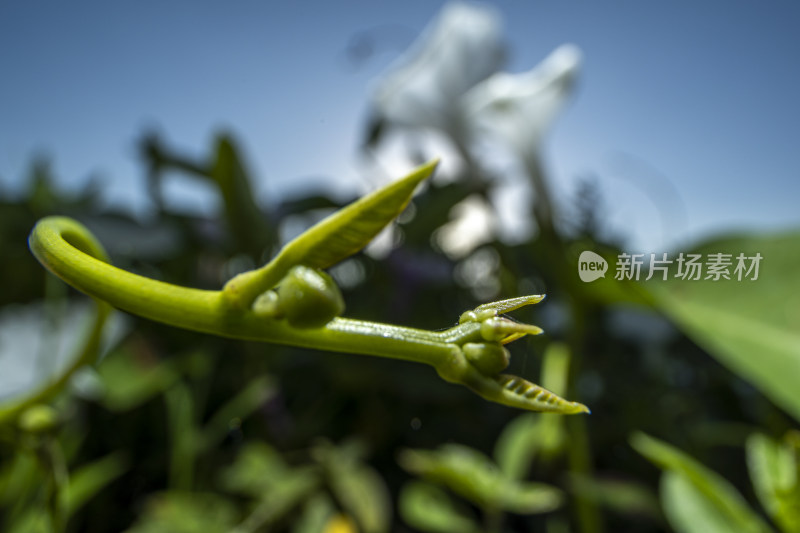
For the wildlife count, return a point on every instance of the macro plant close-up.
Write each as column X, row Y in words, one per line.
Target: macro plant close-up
column 449, row 267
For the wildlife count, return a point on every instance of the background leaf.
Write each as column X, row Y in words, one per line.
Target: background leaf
column 689, row 510
column 184, row 512
column 716, row 492
column 530, row 434
column 753, row 327
column 357, row 487
column 773, row 469
column 474, row 476
column 429, row 508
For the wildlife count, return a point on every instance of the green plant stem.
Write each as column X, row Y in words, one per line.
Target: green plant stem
column 580, row 452
column 52, row 461
column 183, row 434
column 60, row 244
column 68, row 250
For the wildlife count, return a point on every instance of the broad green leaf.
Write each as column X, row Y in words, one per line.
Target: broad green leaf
column 185, row 512
column 689, row 510
column 773, row 470
column 337, row 237
column 751, row 326
column 716, row 489
column 90, row 479
column 606, row 290
column 429, row 508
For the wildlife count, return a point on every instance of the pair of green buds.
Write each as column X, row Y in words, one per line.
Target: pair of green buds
column 292, row 301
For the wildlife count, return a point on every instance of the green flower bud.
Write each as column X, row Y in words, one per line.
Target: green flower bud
column 38, row 419
column 309, row 298
column 489, row 359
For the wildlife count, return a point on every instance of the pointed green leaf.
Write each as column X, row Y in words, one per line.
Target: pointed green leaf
column 752, row 326
column 428, row 508
column 689, row 510
column 337, row 237
column 364, row 496
column 491, row 309
column 348, row 230
column 474, row 476
column 716, row 489
column 773, row 469
column 530, row 498
column 463, row 470
column 517, row 392
column 246, row 222
column 359, row 489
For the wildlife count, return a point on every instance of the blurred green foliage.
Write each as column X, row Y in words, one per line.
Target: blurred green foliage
column 178, row 431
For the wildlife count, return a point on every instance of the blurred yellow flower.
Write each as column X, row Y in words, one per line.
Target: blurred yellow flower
column 340, row 523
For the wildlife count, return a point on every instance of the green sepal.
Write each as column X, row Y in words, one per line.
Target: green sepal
column 337, row 237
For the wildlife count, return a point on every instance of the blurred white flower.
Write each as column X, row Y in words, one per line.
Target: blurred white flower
column 518, row 109
column 462, row 47
column 472, row 224
column 450, row 81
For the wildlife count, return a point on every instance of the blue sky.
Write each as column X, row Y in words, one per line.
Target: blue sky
column 681, row 108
